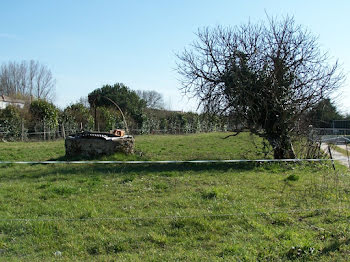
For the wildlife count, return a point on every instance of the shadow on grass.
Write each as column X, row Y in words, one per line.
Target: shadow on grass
column 35, row 171
column 334, row 246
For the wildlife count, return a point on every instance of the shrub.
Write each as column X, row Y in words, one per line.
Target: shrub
column 77, row 114
column 11, row 122
column 44, row 112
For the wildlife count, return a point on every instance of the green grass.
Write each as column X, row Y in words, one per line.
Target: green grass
column 188, row 212
column 151, row 147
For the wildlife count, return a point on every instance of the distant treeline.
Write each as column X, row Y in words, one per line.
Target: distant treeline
column 26, row 79
column 41, row 119
column 117, row 106
column 105, row 109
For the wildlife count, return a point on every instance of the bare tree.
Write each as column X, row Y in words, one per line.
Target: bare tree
column 153, row 98
column 33, row 69
column 264, row 75
column 44, row 83
column 28, row 79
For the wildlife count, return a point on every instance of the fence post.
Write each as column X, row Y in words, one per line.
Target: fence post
column 330, row 154
column 22, row 130
column 44, row 131
column 347, row 152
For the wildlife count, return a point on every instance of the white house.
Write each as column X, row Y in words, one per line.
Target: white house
column 5, row 101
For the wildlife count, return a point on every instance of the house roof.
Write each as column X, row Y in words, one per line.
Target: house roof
column 10, row 100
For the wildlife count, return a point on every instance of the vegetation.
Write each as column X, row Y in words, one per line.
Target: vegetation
column 173, row 122
column 77, row 114
column 213, row 212
column 152, row 147
column 44, row 112
column 265, row 76
column 121, row 96
column 27, row 80
column 44, row 116
column 11, row 122
column 152, row 98
column 323, row 113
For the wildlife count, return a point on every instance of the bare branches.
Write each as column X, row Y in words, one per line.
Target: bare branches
column 266, row 75
column 27, row 79
column 152, row 98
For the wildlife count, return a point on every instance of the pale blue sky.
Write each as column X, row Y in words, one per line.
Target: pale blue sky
column 90, row 43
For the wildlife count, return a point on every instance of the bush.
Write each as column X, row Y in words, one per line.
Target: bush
column 179, row 122
column 11, row 122
column 44, row 112
column 77, row 115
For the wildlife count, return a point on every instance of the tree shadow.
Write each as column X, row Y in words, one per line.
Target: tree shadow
column 36, row 171
column 334, row 246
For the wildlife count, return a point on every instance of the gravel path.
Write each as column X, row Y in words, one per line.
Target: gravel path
column 336, row 155
column 344, row 147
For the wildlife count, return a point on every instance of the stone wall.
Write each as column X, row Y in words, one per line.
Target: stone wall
column 92, row 147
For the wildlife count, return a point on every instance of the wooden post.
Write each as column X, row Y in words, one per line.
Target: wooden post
column 44, row 131
column 330, row 154
column 347, row 152
column 22, row 130
column 95, row 124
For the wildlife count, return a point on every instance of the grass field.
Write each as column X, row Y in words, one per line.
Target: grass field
column 153, row 147
column 187, row 212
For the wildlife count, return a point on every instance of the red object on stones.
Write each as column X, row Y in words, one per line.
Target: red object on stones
column 118, row 132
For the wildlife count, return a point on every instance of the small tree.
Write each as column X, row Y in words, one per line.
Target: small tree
column 80, row 114
column 44, row 112
column 152, row 98
column 323, row 113
column 266, row 76
column 127, row 100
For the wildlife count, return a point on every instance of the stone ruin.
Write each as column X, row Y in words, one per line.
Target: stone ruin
column 92, row 144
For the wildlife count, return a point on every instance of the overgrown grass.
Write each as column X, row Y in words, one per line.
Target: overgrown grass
column 209, row 212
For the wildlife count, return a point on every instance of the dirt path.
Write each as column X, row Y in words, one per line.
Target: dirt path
column 344, row 147
column 336, row 155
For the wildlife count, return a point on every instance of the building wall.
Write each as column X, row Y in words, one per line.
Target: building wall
column 4, row 104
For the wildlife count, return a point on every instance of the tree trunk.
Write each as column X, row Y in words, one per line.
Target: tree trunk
column 282, row 147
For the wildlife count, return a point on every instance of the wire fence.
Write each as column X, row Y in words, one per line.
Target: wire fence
column 330, row 133
column 42, row 132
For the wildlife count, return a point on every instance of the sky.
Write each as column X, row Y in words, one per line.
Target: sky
column 87, row 44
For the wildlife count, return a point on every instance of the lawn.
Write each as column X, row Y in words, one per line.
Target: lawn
column 152, row 147
column 187, row 212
